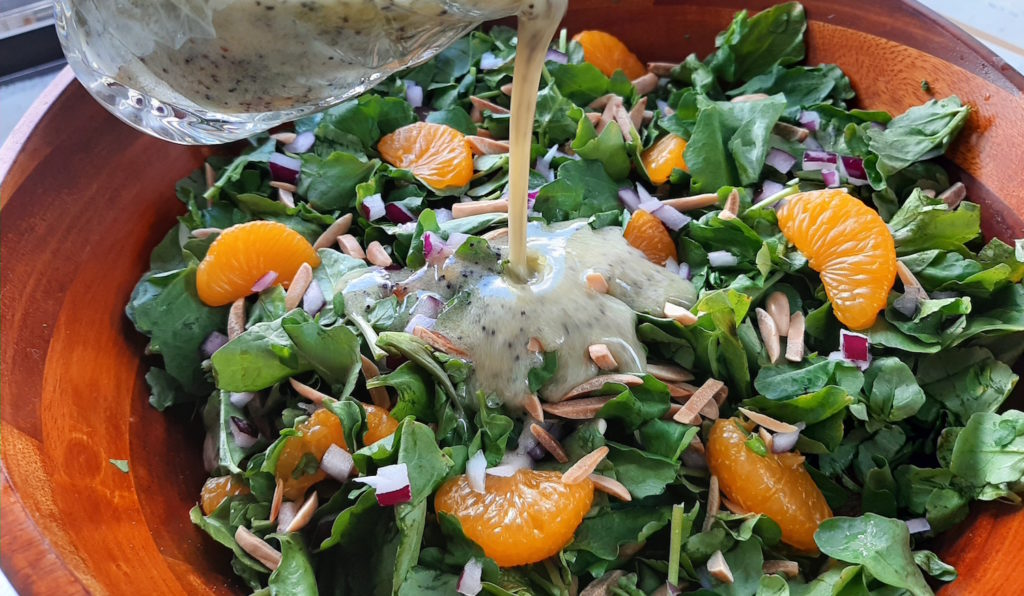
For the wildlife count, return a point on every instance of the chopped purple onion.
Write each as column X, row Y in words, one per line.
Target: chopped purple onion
column 855, row 348
column 286, row 514
column 918, row 525
column 413, row 94
column 284, row 168
column 854, row 169
column 428, row 305
column 471, row 580
column 433, row 246
column 241, row 399
column 455, row 240
column 420, row 321
column 782, row 442
column 489, row 61
column 670, row 216
column 337, row 463
column 663, row 107
column 313, row 300
column 643, row 193
column 649, row 204
column 769, row 188
column 722, row 258
column 780, row 160
column 810, row 120
column 243, row 431
column 397, row 213
column 443, row 214
column 812, row 143
column 819, row 160
column 544, row 169
column 303, row 142
column 476, row 472
column 876, row 126
column 630, row 199
column 830, row 177
column 511, row 463
column 684, row 270
column 391, row 484
column 373, row 207
column 212, row 343
column 264, row 282
column 672, row 265
column 556, row 56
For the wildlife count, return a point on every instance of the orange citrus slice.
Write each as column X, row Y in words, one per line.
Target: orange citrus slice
column 608, row 54
column 665, row 155
column 438, row 155
column 218, row 488
column 646, row 233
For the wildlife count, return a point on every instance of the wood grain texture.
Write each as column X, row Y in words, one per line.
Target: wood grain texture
column 85, row 198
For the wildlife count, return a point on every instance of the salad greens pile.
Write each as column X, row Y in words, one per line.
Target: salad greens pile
column 916, row 433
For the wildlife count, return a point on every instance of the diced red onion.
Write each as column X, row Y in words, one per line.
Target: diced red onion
column 853, row 167
column 420, row 321
column 641, row 192
column 443, row 214
column 511, row 463
column 672, row 218
column 337, row 463
column 489, row 61
column 918, row 525
column 684, row 270
column 650, row 205
column 769, row 188
column 395, row 497
column 284, row 168
column 830, row 177
column 373, row 207
column 810, row 120
column 556, row 56
column 780, row 160
column 782, row 442
column 428, row 305
column 819, row 160
column 663, row 106
column 476, row 472
column 397, row 213
column 672, row 589
column 391, row 484
column 471, row 582
column 241, row 399
column 630, row 199
column 303, row 142
column 544, row 169
column 876, row 126
column 286, row 514
column 433, row 247
column 264, row 282
column 313, row 299
column 855, row 347
column 244, row 433
column 672, row 265
column 413, row 94
column 722, row 258
column 212, row 343
column 812, row 143
column 455, row 240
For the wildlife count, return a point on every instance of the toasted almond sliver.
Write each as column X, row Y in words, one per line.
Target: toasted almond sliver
column 608, row 115
column 286, row 198
column 592, row 385
column 690, row 413
column 732, row 204
column 714, row 502
column 647, row 116
column 769, row 334
column 601, row 102
column 777, row 305
column 275, row 504
column 954, row 195
column 533, row 407
column 698, row 446
column 673, row 409
column 594, row 117
column 308, row 392
column 766, row 437
column 211, row 175
column 597, row 282
column 710, row 410
column 460, row 210
column 258, row 548
column 795, row 338
column 476, row 115
column 339, row 227
column 733, row 507
column 285, row 138
column 790, row 132
column 719, row 569
column 440, row 342
column 907, row 276
column 350, row 246
column 602, row 356
column 625, row 122
column 578, row 409
column 304, row 514
column 690, row 203
column 487, row 106
column 669, row 373
column 376, row 254
column 549, row 443
column 928, row 192
column 680, row 390
column 636, row 113
column 495, row 234
column 661, row 69
column 781, row 567
column 379, row 395
column 507, row 89
column 284, row 186
column 776, row 426
column 484, row 146
column 680, row 314
column 534, row 345
column 298, row 286
column 750, row 97
column 204, row 233
column 646, row 83
column 585, row 466
column 611, row 487
column 236, row 318
column 603, row 585
column 483, row 133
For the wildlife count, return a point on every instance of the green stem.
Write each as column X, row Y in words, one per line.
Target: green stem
column 675, row 543
column 791, row 189
column 369, row 335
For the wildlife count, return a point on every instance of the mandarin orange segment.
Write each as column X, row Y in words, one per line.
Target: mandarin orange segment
column 776, row 485
column 438, row 155
column 379, row 424
column 849, row 245
column 608, row 54
column 520, row 519
column 218, row 488
column 244, row 253
column 665, row 155
column 646, row 233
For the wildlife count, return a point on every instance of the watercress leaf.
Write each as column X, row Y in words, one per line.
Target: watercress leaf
column 745, row 561
column 418, row 450
column 603, row 533
column 644, row 474
column 607, row 148
column 410, row 518
column 419, row 352
column 164, row 390
column 329, row 184
column 966, row 381
column 333, row 352
column 359, row 123
column 352, row 522
column 455, row 117
column 636, row 405
column 934, row 566
column 579, row 83
column 752, row 45
column 219, row 527
column 667, row 438
column 540, row 375
column 258, row 358
column 294, row 576
column 924, row 223
column 556, row 117
column 893, row 392
column 583, row 188
column 421, row 581
column 414, row 389
column 803, row 86
column 707, row 154
column 990, row 449
column 788, row 379
column 808, row 408
column 920, row 133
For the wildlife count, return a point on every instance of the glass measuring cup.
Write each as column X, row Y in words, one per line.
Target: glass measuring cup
column 213, row 71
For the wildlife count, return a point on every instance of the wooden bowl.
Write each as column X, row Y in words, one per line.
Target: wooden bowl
column 86, row 198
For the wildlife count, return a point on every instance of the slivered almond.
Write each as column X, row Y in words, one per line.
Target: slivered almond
column 647, row 116
column 549, row 443
column 750, row 97
column 697, row 446
column 487, row 106
column 533, row 407
column 601, row 102
column 507, row 89
column 769, row 334
column 928, row 192
column 603, row 585
column 460, row 210
column 731, row 209
column 733, row 507
column 440, row 342
column 594, row 117
column 350, row 246
column 690, row 412
column 790, row 132
column 907, row 276
column 592, row 385
column 476, row 115
column 673, row 409
column 680, row 390
column 275, row 504
column 286, row 198
column 585, row 466
column 777, row 305
column 236, row 318
column 535, row 345
column 636, row 113
column 781, row 567
column 376, row 254
column 710, row 410
column 308, row 392
column 483, row 133
column 795, row 338
column 646, row 83
column 578, row 409
column 690, row 203
column 714, row 502
column 625, row 122
column 258, row 548
column 211, row 175
column 766, row 437
column 661, row 69
column 484, row 146
column 285, row 138
column 298, row 286
column 608, row 115
column 611, row 486
column 602, row 356
column 284, row 186
column 719, row 569
column 339, row 227
column 954, row 195
column 680, row 314
column 304, row 514
column 495, row 234
column 379, row 395
column 768, row 422
column 597, row 282
column 204, row 233
column 669, row 373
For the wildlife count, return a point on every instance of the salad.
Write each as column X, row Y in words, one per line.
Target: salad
column 774, row 361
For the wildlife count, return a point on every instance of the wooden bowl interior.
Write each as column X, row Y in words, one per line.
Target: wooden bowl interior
column 86, row 198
